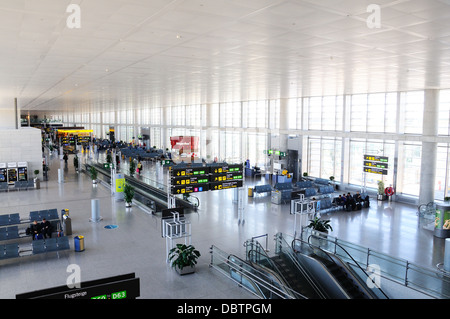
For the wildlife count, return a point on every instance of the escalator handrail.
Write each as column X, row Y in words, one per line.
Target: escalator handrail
column 305, row 273
column 354, row 261
column 260, row 270
column 279, row 278
column 348, row 254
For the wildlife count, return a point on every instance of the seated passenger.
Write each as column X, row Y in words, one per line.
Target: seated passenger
column 46, row 228
column 35, row 230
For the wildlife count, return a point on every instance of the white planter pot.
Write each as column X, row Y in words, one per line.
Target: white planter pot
column 185, row 271
column 128, row 205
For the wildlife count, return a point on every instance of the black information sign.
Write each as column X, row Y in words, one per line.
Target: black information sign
column 375, row 164
column 226, row 177
column 186, row 189
column 376, row 158
column 374, row 170
column 227, row 168
column 188, row 180
column 189, row 171
column 119, row 287
column 225, row 185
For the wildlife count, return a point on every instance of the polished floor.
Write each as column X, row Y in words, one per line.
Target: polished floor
column 136, row 244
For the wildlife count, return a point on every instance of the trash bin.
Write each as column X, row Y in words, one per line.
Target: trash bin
column 250, row 192
column 79, row 243
column 67, row 225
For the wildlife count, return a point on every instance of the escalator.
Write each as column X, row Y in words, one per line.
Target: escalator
column 256, row 278
column 337, row 279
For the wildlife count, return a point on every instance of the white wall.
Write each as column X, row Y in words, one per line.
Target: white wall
column 22, row 145
column 8, row 119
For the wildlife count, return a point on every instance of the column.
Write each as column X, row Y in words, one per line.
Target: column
column 429, row 146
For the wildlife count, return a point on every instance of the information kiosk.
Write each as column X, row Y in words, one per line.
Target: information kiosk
column 3, row 173
column 22, row 168
column 12, row 173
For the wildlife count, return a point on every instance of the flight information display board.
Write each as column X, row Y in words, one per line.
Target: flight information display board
column 375, row 164
column 186, row 189
column 227, row 168
column 225, row 185
column 189, row 171
column 374, row 170
column 226, row 177
column 187, row 180
column 118, row 287
column 204, row 178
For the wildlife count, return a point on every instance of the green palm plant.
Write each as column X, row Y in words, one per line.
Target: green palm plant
column 321, row 225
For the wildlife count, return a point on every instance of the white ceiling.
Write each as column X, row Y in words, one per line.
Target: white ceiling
column 138, row 53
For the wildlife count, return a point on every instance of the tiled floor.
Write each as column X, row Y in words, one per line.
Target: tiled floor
column 137, row 246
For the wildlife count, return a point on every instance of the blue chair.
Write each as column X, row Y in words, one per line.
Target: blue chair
column 63, row 242
column 11, row 250
column 50, row 244
column 38, row 247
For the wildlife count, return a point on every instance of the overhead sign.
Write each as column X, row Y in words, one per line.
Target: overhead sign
column 227, row 168
column 118, row 287
column 374, row 170
column 189, row 171
column 226, row 177
column 186, row 180
column 375, row 164
column 225, row 185
column 186, row 189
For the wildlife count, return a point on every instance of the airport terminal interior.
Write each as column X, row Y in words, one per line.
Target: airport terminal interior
column 247, row 120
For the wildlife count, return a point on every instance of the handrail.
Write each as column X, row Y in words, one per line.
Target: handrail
column 273, row 266
column 351, row 257
column 294, row 260
column 255, row 276
column 433, row 290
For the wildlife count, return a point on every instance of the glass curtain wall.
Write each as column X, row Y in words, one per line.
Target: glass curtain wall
column 337, row 131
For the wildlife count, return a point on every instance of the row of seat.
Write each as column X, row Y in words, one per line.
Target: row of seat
column 44, row 213
column 7, row 233
column 37, row 247
column 326, row 189
column 18, row 185
column 9, row 219
column 9, row 251
column 50, row 244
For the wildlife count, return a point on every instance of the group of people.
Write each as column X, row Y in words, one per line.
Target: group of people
column 39, row 230
column 349, row 202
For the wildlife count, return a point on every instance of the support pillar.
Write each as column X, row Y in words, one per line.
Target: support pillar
column 429, row 148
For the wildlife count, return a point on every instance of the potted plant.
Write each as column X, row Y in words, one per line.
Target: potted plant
column 319, row 232
column 132, row 168
column 320, row 225
column 381, row 195
column 447, row 199
column 128, row 194
column 184, row 258
column 94, row 175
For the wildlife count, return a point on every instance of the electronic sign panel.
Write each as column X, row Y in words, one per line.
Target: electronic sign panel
column 226, row 177
column 225, row 185
column 187, row 189
column 189, row 171
column 375, row 170
column 376, row 164
column 227, row 168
